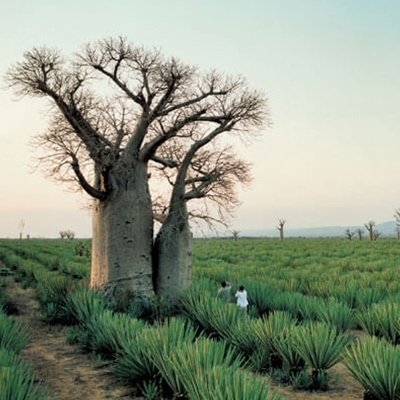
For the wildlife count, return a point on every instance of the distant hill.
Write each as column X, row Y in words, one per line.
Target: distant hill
column 387, row 229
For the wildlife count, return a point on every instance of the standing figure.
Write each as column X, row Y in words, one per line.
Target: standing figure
column 224, row 292
column 241, row 296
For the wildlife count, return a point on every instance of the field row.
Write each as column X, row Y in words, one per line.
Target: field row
column 292, row 335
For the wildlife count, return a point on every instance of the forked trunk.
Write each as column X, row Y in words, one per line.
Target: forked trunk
column 122, row 240
column 173, row 256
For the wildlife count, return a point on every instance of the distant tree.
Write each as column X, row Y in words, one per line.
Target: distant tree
column 397, row 216
column 376, row 234
column 67, row 234
column 360, row 233
column 280, row 226
column 349, row 234
column 21, row 227
column 369, row 226
column 235, row 235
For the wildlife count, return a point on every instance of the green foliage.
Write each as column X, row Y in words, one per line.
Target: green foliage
column 73, row 335
column 109, row 331
column 285, row 345
column 16, row 379
column 260, row 296
column 219, row 383
column 162, row 342
column 132, row 362
column 321, row 346
column 288, row 283
column 13, row 336
column 52, row 293
column 82, row 304
column 376, row 365
column 209, row 370
column 150, row 390
column 16, row 386
column 337, row 314
column 382, row 320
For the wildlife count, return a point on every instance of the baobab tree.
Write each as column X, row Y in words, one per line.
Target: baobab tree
column 21, row 226
column 281, row 224
column 369, row 226
column 376, row 234
column 397, row 217
column 200, row 176
column 107, row 138
column 349, row 234
column 360, row 233
column 67, row 234
column 235, row 235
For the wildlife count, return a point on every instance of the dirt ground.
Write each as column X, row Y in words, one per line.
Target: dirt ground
column 64, row 370
column 70, row 374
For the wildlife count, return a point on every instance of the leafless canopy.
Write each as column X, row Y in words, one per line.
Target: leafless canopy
column 281, row 224
column 114, row 105
column 369, row 226
column 349, row 234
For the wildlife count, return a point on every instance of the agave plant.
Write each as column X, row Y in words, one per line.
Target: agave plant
column 219, row 382
column 381, row 320
column 241, row 336
column 162, row 342
column 110, row 331
column 132, row 362
column 16, row 379
column 337, row 314
column 20, row 387
column 320, row 345
column 52, row 292
column 269, row 328
column 284, row 344
column 376, row 365
column 13, row 336
column 147, row 354
column 82, row 304
column 260, row 296
column 196, row 307
column 210, row 370
column 10, row 360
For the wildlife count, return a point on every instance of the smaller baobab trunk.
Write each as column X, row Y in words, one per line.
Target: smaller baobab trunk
column 280, row 226
column 203, row 175
column 173, row 254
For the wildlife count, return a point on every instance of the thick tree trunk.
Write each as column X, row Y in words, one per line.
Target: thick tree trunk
column 173, row 256
column 122, row 239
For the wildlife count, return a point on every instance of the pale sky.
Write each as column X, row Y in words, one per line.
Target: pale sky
column 330, row 68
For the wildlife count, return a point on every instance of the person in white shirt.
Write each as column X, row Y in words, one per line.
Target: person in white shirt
column 241, row 296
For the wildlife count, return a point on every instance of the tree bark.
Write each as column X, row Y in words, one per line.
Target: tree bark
column 173, row 255
column 122, row 239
